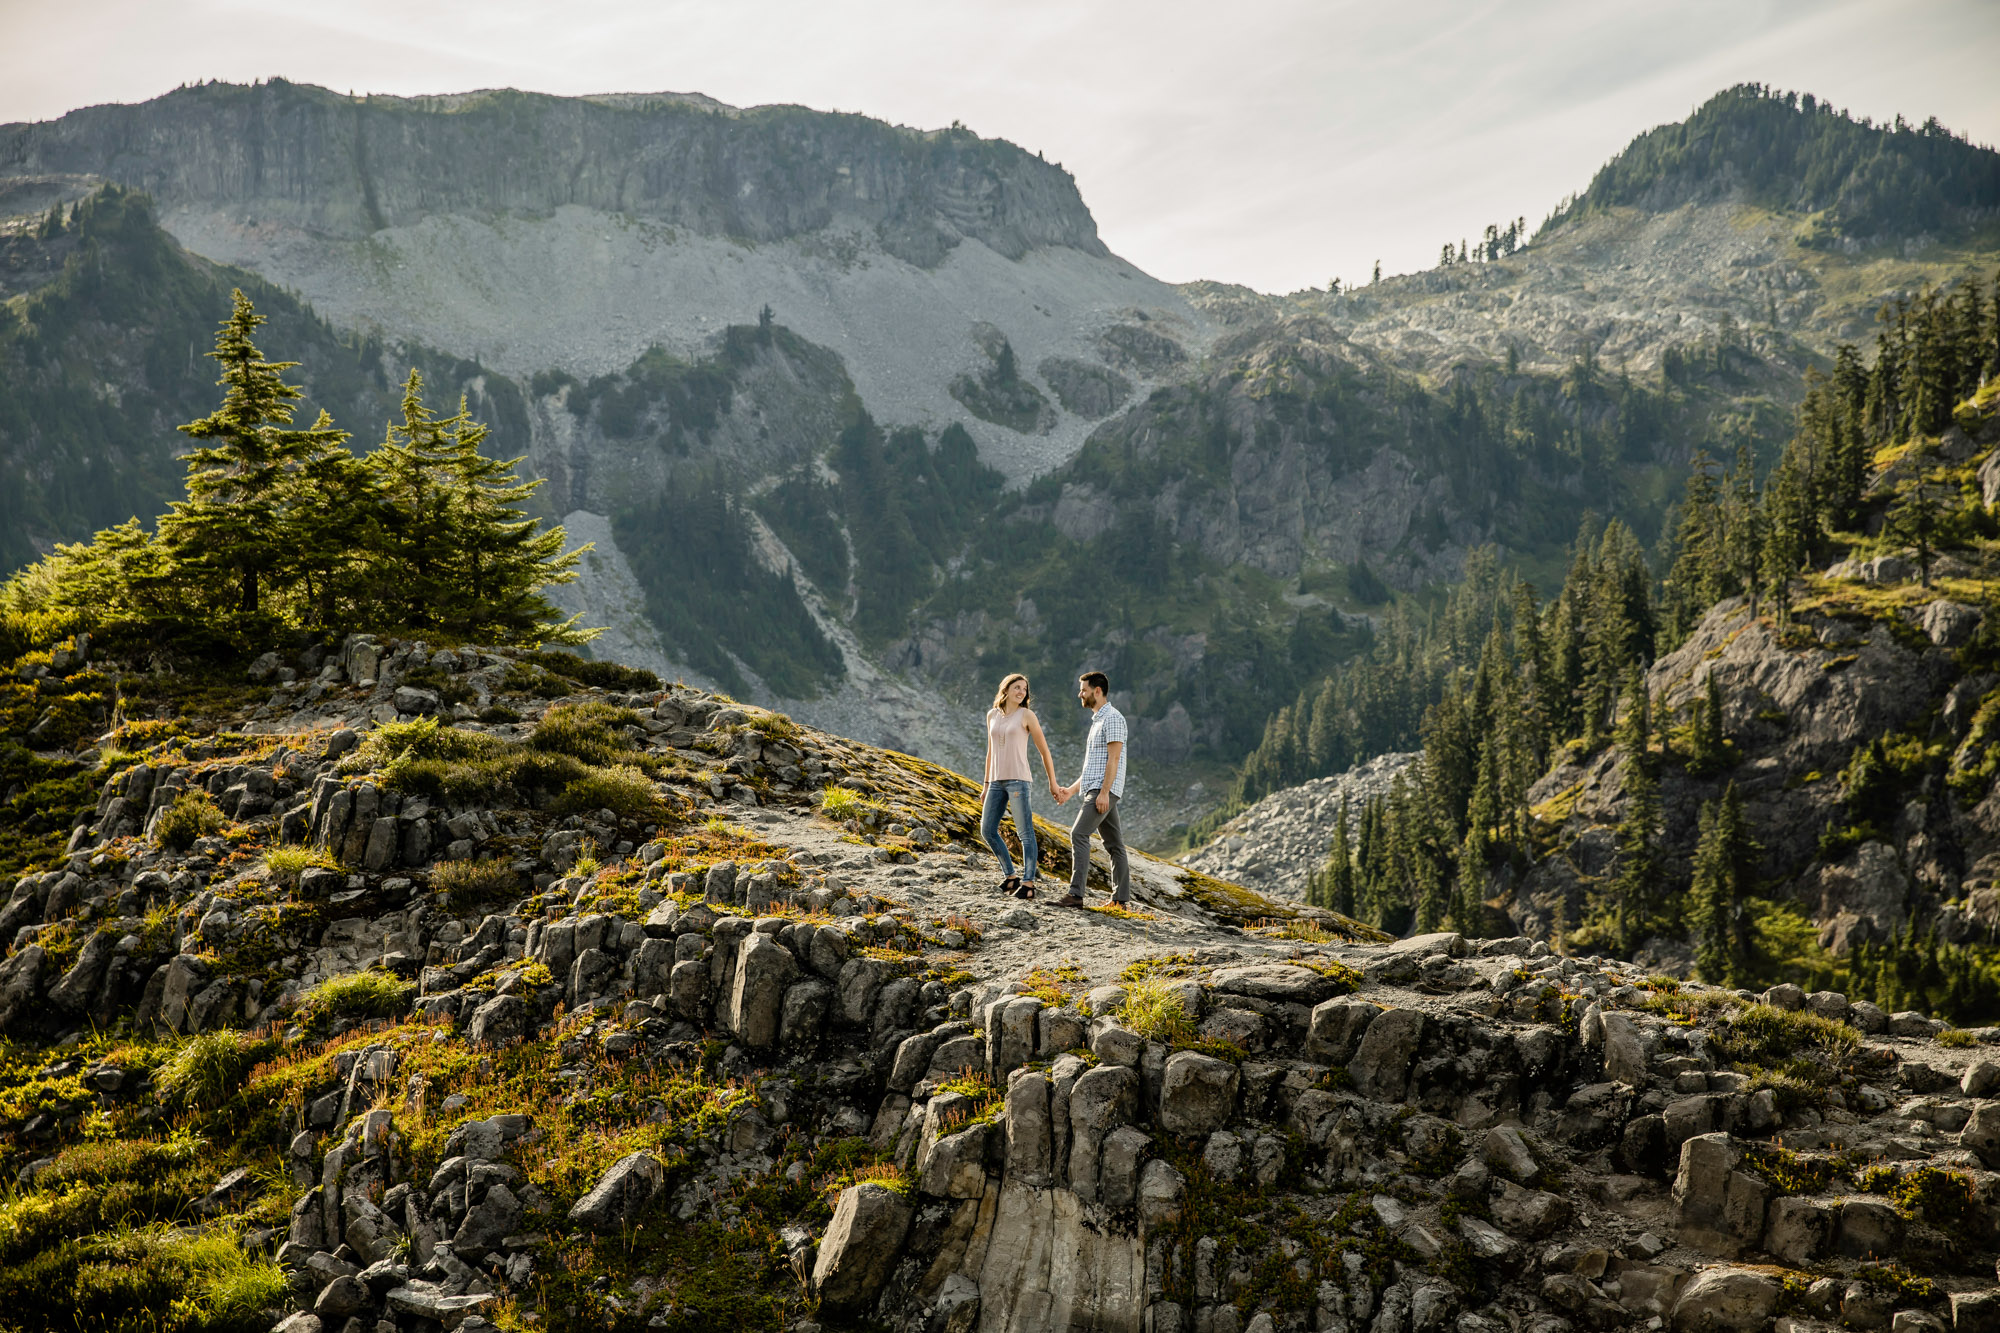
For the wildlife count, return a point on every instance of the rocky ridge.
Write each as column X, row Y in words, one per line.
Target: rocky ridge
column 783, row 1002
column 1276, row 844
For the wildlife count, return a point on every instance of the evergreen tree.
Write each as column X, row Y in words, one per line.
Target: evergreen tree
column 245, row 491
column 1917, row 521
column 458, row 553
column 1725, row 861
column 1708, row 749
column 1633, row 895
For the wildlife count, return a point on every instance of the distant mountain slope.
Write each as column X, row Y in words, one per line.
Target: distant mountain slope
column 1797, row 154
column 106, row 354
column 537, row 233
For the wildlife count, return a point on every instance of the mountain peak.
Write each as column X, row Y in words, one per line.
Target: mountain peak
column 1794, row 153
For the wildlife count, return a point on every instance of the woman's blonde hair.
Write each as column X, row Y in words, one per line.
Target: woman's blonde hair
column 1000, row 695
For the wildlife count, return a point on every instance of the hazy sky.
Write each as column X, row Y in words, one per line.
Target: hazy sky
column 1275, row 143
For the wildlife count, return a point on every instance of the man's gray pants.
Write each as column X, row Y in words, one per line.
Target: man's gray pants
column 1088, row 821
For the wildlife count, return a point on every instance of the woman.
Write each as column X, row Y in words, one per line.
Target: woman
column 1009, row 725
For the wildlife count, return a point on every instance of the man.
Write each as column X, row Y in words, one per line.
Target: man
column 1102, row 784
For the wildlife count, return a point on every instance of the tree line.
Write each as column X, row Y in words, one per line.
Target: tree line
column 283, row 527
column 1509, row 683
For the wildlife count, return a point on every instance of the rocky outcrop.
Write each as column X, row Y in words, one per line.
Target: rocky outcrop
column 1200, row 1122
column 1276, row 844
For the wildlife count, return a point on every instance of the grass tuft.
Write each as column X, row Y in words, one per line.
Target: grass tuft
column 286, row 864
column 207, row 1069
column 1155, row 1012
column 357, row 995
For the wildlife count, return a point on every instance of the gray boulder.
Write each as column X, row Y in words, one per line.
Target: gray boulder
column 687, row 990
column 764, row 971
column 1011, row 1028
column 1508, row 1151
column 956, row 1309
column 1197, row 1093
column 500, row 1021
column 1721, row 1207
column 1285, row 983
column 78, row 984
column 1118, row 1170
column 340, row 1298
column 1382, row 1062
column 1526, row 1212
column 1982, row 1134
column 860, row 1246
column 621, row 1194
column 487, row 1222
column 1336, row 1030
column 20, row 977
column 1162, row 1189
column 806, row 1006
column 955, row 1165
column 1030, row 1131
column 1795, row 1230
column 1976, row 1311
column 1726, row 1299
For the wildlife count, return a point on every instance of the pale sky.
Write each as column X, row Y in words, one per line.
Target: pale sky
column 1275, row 143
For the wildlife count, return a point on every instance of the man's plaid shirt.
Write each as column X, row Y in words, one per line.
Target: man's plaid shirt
column 1107, row 724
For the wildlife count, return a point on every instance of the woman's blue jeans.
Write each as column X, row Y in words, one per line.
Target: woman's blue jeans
column 998, row 796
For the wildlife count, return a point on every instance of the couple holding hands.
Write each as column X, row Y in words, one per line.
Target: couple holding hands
column 1010, row 724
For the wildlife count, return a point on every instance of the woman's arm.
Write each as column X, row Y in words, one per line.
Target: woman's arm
column 1048, row 760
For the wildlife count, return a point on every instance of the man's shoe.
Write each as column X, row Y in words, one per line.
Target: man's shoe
column 1069, row 900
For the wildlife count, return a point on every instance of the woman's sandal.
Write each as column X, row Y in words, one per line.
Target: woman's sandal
column 1026, row 893
column 1011, row 884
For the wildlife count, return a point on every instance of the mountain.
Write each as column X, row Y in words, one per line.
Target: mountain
column 859, row 417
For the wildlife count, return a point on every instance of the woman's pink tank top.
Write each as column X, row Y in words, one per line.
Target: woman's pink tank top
column 1006, row 745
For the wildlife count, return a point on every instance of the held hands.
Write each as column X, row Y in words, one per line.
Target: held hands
column 1061, row 794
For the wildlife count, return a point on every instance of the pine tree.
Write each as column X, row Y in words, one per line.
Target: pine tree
column 1635, row 886
column 1337, row 878
column 458, row 554
column 1635, row 725
column 1708, row 749
column 1917, row 521
column 1725, row 862
column 237, row 528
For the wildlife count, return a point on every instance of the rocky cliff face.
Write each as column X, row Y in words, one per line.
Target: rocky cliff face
column 296, row 156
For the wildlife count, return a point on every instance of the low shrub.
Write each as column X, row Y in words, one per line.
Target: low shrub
column 604, row 675
column 472, row 879
column 584, row 731
column 841, row 804
column 1763, row 1036
column 1052, row 986
column 622, row 789
column 191, row 817
column 357, row 995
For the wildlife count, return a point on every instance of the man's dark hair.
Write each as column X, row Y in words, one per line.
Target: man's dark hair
column 1097, row 680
